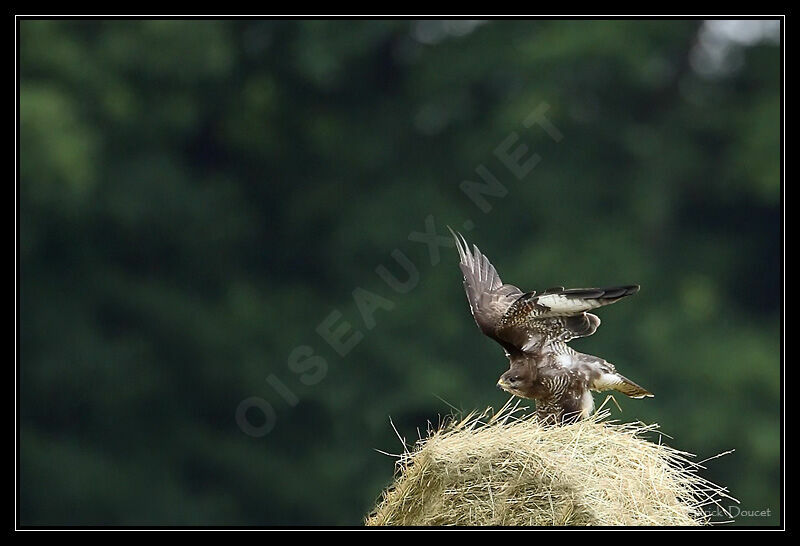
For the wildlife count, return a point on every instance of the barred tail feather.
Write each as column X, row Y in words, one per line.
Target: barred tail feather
column 631, row 389
column 618, row 382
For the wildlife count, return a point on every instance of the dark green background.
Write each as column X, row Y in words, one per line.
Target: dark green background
column 197, row 197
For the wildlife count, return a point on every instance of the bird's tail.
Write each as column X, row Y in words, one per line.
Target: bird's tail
column 629, row 388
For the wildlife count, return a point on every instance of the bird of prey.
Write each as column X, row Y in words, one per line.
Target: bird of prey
column 534, row 330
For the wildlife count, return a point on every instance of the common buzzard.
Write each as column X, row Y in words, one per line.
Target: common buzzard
column 534, row 330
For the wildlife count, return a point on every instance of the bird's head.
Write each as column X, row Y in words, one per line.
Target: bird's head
column 516, row 380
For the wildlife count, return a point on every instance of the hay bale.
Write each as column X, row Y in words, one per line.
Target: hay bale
column 510, row 470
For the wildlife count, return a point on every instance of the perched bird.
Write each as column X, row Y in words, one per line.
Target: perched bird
column 534, row 330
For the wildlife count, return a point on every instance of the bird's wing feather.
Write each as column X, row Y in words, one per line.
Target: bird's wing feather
column 528, row 326
column 488, row 297
column 528, row 321
column 577, row 300
column 542, row 331
column 557, row 315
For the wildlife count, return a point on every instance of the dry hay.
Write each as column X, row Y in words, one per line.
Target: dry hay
column 507, row 469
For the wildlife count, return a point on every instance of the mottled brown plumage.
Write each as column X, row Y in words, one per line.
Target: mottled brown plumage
column 534, row 331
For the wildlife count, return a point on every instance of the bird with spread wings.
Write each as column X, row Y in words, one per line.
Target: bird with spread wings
column 534, row 330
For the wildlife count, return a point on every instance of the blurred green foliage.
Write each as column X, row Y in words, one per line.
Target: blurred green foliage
column 197, row 197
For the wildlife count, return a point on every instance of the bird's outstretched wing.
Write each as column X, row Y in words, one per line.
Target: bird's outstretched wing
column 556, row 315
column 527, row 321
column 559, row 302
column 489, row 299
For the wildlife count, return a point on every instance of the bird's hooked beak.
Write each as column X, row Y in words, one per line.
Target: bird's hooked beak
column 501, row 384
